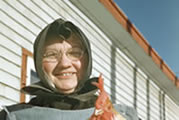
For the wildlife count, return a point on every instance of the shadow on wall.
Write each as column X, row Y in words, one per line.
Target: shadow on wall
column 113, row 71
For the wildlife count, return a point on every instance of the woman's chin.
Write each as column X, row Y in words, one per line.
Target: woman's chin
column 66, row 88
column 66, row 91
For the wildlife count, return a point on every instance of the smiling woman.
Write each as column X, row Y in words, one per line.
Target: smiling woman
column 63, row 62
column 62, row 56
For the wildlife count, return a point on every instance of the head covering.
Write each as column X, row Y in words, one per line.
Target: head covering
column 62, row 28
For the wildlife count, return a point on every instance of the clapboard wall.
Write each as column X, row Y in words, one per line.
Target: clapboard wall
column 22, row 20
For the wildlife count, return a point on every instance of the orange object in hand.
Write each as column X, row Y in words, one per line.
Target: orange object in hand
column 104, row 109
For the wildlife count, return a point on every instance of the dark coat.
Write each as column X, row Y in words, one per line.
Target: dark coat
column 83, row 99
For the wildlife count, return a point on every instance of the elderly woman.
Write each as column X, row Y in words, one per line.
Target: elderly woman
column 63, row 62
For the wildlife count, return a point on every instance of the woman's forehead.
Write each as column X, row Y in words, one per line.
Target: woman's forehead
column 73, row 40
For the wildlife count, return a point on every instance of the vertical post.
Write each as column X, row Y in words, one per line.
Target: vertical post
column 148, row 98
column 135, row 87
column 163, row 102
column 113, row 73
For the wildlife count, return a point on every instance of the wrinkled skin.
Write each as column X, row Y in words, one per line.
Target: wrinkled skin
column 104, row 109
column 56, row 70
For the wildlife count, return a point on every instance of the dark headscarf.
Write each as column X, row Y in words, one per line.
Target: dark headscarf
column 62, row 28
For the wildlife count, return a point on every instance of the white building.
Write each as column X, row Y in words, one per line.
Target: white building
column 134, row 73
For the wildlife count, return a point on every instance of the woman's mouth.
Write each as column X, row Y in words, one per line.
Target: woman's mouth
column 65, row 75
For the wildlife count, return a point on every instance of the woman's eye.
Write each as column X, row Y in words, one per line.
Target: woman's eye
column 50, row 54
column 75, row 53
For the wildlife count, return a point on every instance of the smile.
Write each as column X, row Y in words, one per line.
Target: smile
column 65, row 75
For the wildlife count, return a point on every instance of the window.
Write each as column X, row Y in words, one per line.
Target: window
column 28, row 73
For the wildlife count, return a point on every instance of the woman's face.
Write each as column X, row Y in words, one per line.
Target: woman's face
column 66, row 69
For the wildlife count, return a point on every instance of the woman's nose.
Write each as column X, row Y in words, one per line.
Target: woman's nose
column 64, row 61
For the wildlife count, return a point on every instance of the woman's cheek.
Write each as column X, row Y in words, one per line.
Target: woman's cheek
column 48, row 67
column 81, row 69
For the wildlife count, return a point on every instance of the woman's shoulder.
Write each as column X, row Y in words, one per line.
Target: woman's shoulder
column 12, row 108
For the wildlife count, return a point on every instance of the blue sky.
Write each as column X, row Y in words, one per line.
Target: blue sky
column 158, row 21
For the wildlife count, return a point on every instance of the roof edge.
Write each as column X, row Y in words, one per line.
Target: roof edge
column 111, row 6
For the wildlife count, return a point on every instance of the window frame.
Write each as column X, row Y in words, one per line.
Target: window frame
column 25, row 55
